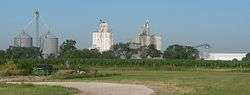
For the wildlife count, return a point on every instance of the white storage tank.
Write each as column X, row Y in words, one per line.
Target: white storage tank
column 156, row 40
column 49, row 45
column 145, row 40
column 23, row 40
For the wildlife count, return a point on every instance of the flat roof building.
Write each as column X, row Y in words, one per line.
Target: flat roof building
column 226, row 56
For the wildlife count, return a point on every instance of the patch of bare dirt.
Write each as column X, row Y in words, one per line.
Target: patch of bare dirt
column 97, row 88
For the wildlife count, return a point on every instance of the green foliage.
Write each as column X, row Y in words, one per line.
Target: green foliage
column 68, row 45
column 181, row 52
column 153, row 52
column 11, row 69
column 147, row 63
column 72, row 54
column 108, row 55
column 3, row 61
column 149, row 52
column 122, row 50
column 23, row 52
column 3, row 54
column 69, row 50
column 26, row 66
column 91, row 53
column 63, row 74
column 30, row 89
column 247, row 58
column 86, row 73
column 43, row 70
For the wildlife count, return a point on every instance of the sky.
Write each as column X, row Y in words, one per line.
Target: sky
column 224, row 24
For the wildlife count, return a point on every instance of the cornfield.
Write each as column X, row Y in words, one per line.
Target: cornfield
column 147, row 63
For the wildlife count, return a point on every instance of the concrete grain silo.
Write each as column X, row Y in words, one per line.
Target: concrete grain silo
column 49, row 45
column 23, row 40
column 156, row 40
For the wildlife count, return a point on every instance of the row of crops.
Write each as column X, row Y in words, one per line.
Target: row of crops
column 149, row 63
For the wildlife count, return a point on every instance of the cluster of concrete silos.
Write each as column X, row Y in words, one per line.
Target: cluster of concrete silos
column 48, row 44
column 145, row 38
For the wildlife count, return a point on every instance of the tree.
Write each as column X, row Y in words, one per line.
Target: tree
column 247, row 58
column 108, row 55
column 153, row 52
column 69, row 50
column 149, row 52
column 23, row 52
column 72, row 54
column 181, row 52
column 122, row 50
column 143, row 52
column 2, row 54
column 68, row 45
column 235, row 60
column 91, row 53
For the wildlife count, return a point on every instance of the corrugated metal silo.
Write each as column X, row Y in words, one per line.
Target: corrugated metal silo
column 23, row 40
column 49, row 45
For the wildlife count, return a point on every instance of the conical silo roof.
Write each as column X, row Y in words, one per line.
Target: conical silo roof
column 23, row 35
column 50, row 35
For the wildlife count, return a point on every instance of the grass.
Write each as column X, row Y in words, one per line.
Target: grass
column 29, row 89
column 190, row 82
column 184, row 82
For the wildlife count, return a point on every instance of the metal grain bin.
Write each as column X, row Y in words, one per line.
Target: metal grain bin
column 23, row 40
column 49, row 45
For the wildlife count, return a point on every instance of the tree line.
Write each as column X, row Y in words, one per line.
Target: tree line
column 68, row 49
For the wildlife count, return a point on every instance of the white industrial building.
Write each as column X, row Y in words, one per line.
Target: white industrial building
column 226, row 56
column 103, row 38
column 145, row 38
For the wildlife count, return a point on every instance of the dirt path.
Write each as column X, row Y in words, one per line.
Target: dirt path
column 96, row 88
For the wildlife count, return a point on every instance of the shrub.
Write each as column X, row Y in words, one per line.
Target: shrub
column 11, row 70
column 71, row 74
column 26, row 65
column 43, row 69
column 2, row 61
column 63, row 74
column 79, row 73
column 14, row 73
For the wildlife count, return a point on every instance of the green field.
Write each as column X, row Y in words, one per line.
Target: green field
column 29, row 89
column 165, row 77
column 185, row 82
column 162, row 82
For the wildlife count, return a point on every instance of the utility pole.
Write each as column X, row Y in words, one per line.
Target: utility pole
column 37, row 28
